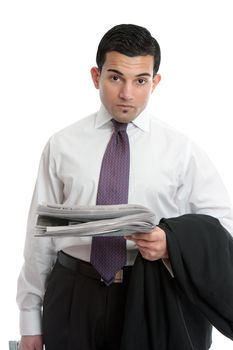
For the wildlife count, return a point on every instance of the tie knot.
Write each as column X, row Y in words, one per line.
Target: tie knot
column 119, row 126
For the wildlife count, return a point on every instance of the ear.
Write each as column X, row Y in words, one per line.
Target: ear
column 156, row 80
column 95, row 74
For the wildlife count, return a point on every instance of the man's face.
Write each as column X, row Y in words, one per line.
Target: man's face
column 125, row 84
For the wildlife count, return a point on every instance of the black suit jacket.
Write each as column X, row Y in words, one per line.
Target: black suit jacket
column 166, row 313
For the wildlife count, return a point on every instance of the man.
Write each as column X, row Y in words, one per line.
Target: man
column 167, row 173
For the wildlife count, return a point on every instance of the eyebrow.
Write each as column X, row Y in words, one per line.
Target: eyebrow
column 120, row 73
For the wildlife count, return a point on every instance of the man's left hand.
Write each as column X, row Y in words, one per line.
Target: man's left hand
column 152, row 245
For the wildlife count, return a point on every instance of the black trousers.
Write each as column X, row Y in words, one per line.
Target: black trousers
column 81, row 312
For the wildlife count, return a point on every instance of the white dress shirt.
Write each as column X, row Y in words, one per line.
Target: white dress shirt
column 168, row 174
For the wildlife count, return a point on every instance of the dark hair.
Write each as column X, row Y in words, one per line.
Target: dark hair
column 130, row 40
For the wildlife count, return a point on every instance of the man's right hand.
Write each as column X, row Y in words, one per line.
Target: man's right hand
column 31, row 342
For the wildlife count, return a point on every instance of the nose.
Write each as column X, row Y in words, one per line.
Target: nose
column 126, row 92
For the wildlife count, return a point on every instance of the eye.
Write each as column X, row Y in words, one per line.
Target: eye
column 115, row 78
column 141, row 81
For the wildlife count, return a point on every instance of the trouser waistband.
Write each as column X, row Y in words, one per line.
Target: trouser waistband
column 87, row 269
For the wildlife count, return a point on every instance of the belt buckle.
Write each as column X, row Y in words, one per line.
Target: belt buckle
column 118, row 277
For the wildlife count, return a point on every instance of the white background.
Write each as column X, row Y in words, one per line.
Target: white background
column 47, row 50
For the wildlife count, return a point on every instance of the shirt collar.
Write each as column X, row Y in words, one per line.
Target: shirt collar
column 104, row 117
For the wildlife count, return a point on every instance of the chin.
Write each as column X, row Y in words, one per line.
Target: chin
column 124, row 117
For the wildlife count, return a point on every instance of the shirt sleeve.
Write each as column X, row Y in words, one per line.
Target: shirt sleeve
column 39, row 253
column 201, row 190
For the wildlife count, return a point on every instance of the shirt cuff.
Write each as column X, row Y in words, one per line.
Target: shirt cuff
column 30, row 322
column 168, row 266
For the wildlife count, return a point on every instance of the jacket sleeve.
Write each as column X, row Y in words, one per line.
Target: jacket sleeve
column 201, row 255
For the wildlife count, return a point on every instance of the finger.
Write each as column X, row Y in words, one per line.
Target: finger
column 148, row 255
column 144, row 244
column 134, row 237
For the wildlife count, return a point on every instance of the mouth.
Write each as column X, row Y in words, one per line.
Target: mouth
column 125, row 106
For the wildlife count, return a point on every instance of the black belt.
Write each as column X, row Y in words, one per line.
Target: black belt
column 86, row 268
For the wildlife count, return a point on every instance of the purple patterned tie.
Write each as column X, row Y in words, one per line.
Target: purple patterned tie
column 108, row 254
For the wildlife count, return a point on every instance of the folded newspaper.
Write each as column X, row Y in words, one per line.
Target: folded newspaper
column 56, row 220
